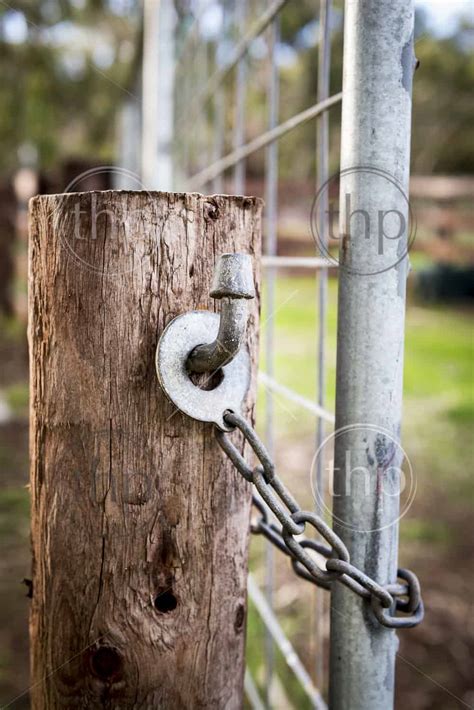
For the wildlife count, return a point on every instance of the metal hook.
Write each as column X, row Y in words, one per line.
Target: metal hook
column 233, row 283
column 204, row 342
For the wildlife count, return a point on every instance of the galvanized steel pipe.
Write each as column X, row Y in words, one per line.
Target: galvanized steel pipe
column 375, row 158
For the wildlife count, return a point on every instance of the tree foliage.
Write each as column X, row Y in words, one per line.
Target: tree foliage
column 65, row 79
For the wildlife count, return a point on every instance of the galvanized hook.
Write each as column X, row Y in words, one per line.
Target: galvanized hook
column 233, row 283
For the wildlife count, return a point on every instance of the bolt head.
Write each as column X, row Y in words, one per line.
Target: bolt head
column 233, row 277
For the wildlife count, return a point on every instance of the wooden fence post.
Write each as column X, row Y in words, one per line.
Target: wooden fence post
column 139, row 523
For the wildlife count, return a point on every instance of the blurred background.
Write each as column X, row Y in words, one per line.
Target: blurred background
column 94, row 83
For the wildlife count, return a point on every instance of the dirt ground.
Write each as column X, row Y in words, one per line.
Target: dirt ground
column 435, row 660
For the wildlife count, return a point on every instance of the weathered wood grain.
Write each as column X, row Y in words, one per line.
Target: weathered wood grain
column 139, row 523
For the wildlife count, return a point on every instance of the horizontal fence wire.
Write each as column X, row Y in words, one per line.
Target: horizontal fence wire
column 201, row 178
column 289, row 654
column 296, row 262
column 218, row 78
column 293, row 396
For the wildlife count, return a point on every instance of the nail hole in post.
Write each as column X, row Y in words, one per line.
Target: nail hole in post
column 106, row 663
column 165, row 602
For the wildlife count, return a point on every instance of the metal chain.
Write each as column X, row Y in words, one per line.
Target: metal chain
column 403, row 596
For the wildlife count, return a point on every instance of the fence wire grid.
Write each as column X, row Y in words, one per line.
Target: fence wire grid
column 196, row 132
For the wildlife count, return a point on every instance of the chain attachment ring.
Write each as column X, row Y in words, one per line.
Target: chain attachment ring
column 180, row 337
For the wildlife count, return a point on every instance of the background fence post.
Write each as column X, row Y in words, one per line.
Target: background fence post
column 378, row 69
column 139, row 523
column 158, row 76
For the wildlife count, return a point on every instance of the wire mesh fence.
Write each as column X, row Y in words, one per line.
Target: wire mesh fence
column 226, row 53
column 213, row 106
column 213, row 80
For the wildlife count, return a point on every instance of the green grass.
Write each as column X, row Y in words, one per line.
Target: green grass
column 295, row 348
column 420, row 260
column 437, row 418
column 12, row 329
column 462, row 413
column 430, row 532
column 254, row 652
column 439, row 354
column 438, row 379
column 14, row 511
column 439, row 346
column 16, row 396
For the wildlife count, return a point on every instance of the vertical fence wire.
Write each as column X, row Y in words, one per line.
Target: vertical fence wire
column 190, row 70
column 271, row 198
column 186, row 75
column 218, row 132
column 203, row 73
column 322, row 174
column 219, row 98
column 184, row 138
column 251, row 691
column 189, row 153
column 240, row 96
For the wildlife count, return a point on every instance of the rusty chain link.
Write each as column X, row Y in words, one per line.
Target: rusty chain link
column 404, row 596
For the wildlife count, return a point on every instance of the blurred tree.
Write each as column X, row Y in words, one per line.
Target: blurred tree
column 443, row 102
column 65, row 68
column 67, row 65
